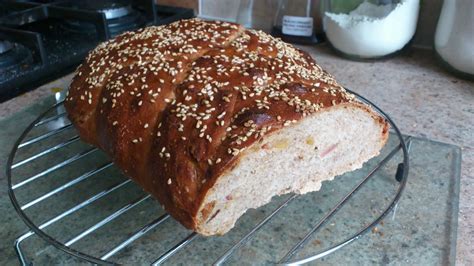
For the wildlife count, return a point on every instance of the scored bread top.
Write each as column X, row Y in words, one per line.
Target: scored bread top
column 174, row 105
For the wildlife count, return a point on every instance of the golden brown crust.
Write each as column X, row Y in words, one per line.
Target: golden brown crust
column 175, row 105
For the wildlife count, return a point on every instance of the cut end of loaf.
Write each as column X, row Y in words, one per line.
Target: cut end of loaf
column 296, row 159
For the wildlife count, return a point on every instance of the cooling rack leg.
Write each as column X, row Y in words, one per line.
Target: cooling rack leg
column 401, row 166
column 19, row 251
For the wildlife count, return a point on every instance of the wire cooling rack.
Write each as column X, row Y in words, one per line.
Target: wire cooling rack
column 47, row 198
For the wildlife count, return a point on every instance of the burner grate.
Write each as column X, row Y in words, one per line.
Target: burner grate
column 95, row 248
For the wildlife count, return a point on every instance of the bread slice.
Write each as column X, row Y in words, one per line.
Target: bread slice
column 294, row 159
column 213, row 119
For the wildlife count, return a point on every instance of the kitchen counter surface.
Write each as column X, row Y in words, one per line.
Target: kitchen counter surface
column 422, row 98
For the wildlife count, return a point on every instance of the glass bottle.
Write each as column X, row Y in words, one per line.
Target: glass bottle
column 293, row 22
column 454, row 38
column 370, row 29
column 244, row 15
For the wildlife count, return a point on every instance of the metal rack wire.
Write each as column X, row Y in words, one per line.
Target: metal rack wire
column 39, row 229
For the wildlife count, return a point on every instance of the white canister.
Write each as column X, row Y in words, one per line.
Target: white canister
column 454, row 39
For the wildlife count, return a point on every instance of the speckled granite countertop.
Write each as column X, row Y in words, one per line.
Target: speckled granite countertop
column 422, row 98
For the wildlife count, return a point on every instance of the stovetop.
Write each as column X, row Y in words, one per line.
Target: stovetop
column 42, row 40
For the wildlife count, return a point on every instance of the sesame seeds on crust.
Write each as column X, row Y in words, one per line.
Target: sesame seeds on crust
column 259, row 80
column 211, row 87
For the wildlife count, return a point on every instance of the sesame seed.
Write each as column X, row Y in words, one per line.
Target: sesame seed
column 221, row 115
column 169, row 181
column 235, row 152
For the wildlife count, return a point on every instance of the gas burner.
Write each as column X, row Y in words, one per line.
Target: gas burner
column 13, row 55
column 120, row 16
column 111, row 9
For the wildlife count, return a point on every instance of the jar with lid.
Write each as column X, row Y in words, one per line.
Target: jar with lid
column 370, row 29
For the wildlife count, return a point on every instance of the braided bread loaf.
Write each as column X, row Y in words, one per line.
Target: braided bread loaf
column 213, row 119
